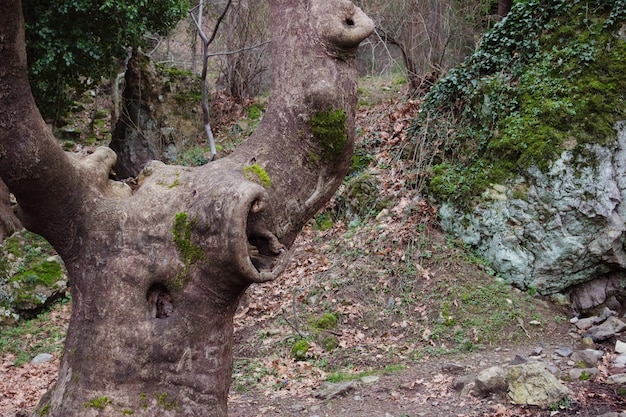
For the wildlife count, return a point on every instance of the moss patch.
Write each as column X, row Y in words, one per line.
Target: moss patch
column 329, row 131
column 189, row 252
column 256, row 171
column 99, row 403
column 299, row 350
column 31, row 276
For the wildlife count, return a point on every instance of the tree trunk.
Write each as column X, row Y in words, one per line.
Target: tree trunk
column 504, row 7
column 156, row 274
column 9, row 223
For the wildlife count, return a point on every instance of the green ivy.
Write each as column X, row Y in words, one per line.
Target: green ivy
column 551, row 71
column 75, row 41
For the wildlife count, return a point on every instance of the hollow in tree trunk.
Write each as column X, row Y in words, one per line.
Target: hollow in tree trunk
column 156, row 273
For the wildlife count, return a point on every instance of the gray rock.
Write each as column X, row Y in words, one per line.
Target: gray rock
column 453, row 368
column 620, row 347
column 620, row 361
column 491, row 380
column 566, row 229
column 586, row 323
column 564, row 352
column 370, row 379
column 617, row 379
column 533, row 384
column 606, row 330
column 329, row 390
column 588, row 357
column 518, row 359
column 41, row 358
column 583, row 374
column 463, row 381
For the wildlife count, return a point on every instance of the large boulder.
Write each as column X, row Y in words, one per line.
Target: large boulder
column 553, row 230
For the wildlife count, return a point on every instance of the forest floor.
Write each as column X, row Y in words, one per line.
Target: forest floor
column 376, row 297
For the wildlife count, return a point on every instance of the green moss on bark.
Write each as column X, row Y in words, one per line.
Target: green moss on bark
column 189, row 252
column 329, row 131
column 256, row 171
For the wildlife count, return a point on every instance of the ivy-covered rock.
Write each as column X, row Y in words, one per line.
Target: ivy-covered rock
column 32, row 276
column 530, row 144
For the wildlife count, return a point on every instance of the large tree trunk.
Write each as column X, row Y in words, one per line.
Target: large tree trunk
column 156, row 274
column 9, row 223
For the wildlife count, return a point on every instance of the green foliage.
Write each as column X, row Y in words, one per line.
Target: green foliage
column 32, row 337
column 194, row 157
column 323, row 221
column 259, row 173
column 550, row 77
column 564, row 404
column 75, row 41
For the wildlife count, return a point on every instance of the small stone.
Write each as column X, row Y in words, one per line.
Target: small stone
column 587, row 343
column 518, row 359
column 564, row 352
column 454, row 368
column 574, row 320
column 463, row 381
column 329, row 390
column 620, row 347
column 382, row 215
column 583, row 374
column 491, row 380
column 620, row 361
column 617, row 379
column 370, row 379
column 41, row 358
column 588, row 357
column 534, row 323
column 586, row 323
column 537, row 351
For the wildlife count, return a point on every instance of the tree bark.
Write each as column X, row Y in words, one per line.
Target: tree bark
column 504, row 7
column 156, row 274
column 9, row 223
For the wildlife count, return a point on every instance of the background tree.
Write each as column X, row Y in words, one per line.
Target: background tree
column 244, row 74
column 432, row 36
column 76, row 42
column 156, row 274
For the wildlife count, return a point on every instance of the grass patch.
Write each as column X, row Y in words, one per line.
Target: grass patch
column 43, row 334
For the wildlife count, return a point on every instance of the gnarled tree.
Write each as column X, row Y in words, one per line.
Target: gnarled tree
column 156, row 273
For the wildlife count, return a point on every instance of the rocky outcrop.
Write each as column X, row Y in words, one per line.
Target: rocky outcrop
column 552, row 231
column 32, row 276
column 160, row 116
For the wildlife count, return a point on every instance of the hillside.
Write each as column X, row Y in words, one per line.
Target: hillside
column 375, row 289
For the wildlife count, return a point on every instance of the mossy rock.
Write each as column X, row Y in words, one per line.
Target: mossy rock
column 328, row 321
column 300, row 349
column 32, row 276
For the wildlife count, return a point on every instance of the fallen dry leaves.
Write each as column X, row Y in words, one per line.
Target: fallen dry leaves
column 21, row 387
